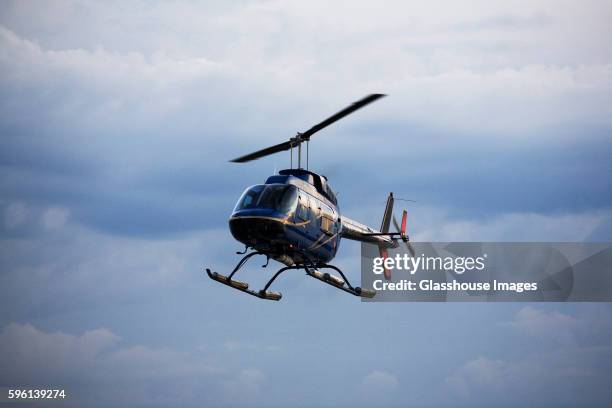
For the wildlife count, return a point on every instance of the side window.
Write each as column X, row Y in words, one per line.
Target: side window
column 302, row 209
column 327, row 220
column 327, row 224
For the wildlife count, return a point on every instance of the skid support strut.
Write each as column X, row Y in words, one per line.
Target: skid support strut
column 342, row 283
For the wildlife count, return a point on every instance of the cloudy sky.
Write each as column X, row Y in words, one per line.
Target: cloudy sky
column 117, row 121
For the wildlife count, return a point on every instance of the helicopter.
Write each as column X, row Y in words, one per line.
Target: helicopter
column 294, row 218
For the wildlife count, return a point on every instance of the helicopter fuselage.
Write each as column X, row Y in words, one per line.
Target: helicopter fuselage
column 293, row 218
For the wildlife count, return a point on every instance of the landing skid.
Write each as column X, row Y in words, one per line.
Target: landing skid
column 312, row 269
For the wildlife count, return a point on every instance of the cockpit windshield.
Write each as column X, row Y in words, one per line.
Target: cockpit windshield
column 280, row 197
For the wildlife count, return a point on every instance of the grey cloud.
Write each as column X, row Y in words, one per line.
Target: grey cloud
column 76, row 267
column 116, row 124
column 124, row 139
column 32, row 357
column 97, row 369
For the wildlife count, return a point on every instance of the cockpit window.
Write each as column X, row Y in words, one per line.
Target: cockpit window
column 289, row 200
column 278, row 197
column 272, row 196
column 249, row 198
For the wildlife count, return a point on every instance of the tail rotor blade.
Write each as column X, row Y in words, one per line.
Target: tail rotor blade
column 384, row 254
column 410, row 249
column 403, row 230
column 396, row 224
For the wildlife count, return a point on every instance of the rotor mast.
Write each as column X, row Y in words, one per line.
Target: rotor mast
column 298, row 141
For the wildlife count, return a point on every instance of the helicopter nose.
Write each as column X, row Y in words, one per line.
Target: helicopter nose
column 252, row 229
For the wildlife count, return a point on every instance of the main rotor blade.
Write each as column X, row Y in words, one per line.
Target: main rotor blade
column 264, row 152
column 294, row 142
column 347, row 111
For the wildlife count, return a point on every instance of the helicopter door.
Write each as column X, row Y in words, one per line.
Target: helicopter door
column 306, row 216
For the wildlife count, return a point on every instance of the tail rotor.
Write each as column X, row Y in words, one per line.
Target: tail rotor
column 402, row 230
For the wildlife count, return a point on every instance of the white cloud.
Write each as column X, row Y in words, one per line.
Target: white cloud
column 480, row 373
column 554, row 326
column 238, row 346
column 380, row 382
column 437, row 225
column 246, row 386
column 561, row 370
column 466, row 79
